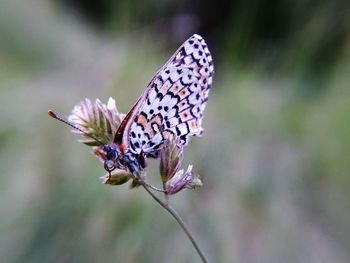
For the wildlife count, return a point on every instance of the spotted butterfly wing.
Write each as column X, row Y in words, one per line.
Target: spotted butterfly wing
column 172, row 103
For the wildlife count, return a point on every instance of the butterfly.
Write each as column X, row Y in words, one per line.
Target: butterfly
column 171, row 105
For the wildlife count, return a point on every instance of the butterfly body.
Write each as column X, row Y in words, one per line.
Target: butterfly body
column 172, row 104
column 114, row 158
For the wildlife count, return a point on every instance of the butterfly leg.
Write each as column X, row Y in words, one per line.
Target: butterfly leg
column 136, row 165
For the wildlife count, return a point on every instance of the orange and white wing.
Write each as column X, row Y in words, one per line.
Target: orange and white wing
column 173, row 102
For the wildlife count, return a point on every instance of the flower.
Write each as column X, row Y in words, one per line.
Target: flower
column 183, row 180
column 175, row 180
column 97, row 120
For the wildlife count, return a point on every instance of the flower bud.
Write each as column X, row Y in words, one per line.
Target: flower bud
column 170, row 158
column 117, row 177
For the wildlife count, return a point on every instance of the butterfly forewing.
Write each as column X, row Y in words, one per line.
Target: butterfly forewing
column 173, row 102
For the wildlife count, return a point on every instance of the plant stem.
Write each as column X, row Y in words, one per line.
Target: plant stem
column 166, row 196
column 181, row 223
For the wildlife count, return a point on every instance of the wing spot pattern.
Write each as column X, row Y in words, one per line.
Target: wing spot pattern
column 175, row 100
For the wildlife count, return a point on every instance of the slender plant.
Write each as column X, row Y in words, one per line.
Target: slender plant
column 97, row 122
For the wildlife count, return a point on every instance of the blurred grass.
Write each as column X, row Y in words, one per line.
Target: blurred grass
column 274, row 156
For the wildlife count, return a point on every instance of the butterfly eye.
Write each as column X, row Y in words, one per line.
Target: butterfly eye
column 111, row 152
column 109, row 166
column 111, row 155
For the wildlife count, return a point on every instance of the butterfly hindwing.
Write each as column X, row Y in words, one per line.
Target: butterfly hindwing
column 174, row 101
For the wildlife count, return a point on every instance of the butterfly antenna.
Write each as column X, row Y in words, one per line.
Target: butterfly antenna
column 55, row 116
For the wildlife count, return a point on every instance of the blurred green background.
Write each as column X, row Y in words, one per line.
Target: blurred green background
column 275, row 155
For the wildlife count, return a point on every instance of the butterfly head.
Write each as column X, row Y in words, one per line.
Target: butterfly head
column 111, row 155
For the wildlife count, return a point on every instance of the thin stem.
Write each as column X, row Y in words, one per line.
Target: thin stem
column 166, row 196
column 152, row 187
column 144, row 183
column 181, row 223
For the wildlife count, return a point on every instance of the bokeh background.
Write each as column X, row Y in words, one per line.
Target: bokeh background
column 275, row 156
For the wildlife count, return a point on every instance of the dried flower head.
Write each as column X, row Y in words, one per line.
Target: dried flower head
column 99, row 121
column 96, row 119
column 171, row 158
column 183, row 180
